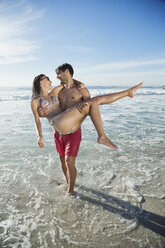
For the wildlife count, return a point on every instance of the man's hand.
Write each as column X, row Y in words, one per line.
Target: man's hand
column 83, row 108
column 43, row 112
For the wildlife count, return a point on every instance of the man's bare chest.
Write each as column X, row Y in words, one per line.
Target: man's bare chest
column 69, row 97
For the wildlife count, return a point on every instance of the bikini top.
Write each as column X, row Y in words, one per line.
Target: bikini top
column 45, row 103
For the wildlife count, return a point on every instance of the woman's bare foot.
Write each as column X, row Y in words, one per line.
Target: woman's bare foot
column 131, row 91
column 107, row 142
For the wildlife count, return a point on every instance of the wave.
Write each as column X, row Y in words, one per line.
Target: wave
column 24, row 94
column 143, row 91
column 14, row 98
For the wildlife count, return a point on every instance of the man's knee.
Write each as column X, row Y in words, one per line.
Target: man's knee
column 95, row 100
column 70, row 161
column 62, row 158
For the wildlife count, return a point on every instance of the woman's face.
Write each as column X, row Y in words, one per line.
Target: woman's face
column 45, row 82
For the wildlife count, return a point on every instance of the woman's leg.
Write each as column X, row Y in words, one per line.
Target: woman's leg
column 72, row 118
column 110, row 98
column 95, row 116
column 95, row 113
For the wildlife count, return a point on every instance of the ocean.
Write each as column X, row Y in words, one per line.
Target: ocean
column 120, row 194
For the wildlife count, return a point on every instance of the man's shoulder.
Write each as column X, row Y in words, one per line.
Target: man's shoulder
column 84, row 89
column 79, row 91
column 78, row 84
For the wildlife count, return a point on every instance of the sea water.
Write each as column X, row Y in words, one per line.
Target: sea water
column 112, row 186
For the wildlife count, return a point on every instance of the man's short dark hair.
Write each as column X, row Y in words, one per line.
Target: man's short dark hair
column 65, row 66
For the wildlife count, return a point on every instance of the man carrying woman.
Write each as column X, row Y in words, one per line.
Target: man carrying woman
column 67, row 106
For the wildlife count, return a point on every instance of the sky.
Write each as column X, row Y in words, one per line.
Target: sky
column 108, row 42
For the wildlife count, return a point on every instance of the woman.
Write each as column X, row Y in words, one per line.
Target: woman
column 70, row 120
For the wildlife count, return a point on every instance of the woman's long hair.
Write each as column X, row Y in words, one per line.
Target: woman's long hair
column 36, row 86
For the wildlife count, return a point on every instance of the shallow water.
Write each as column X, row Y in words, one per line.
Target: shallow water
column 112, row 185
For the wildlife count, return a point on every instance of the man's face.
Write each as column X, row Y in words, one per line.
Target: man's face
column 61, row 75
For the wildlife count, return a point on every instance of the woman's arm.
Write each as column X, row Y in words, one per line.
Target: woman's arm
column 34, row 106
column 55, row 91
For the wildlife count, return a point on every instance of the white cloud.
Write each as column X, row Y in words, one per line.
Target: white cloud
column 16, row 19
column 17, row 47
column 16, row 59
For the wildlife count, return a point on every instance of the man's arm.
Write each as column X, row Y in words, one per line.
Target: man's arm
column 82, row 105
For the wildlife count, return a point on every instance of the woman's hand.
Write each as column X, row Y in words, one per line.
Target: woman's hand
column 41, row 141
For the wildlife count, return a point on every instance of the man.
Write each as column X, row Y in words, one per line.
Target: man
column 68, row 145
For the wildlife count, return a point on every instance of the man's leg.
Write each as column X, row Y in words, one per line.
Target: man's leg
column 64, row 168
column 71, row 172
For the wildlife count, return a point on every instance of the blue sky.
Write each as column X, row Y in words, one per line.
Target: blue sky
column 108, row 42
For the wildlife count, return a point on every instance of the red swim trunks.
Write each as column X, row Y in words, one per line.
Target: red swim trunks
column 67, row 144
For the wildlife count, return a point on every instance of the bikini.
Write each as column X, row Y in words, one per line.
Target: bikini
column 45, row 103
